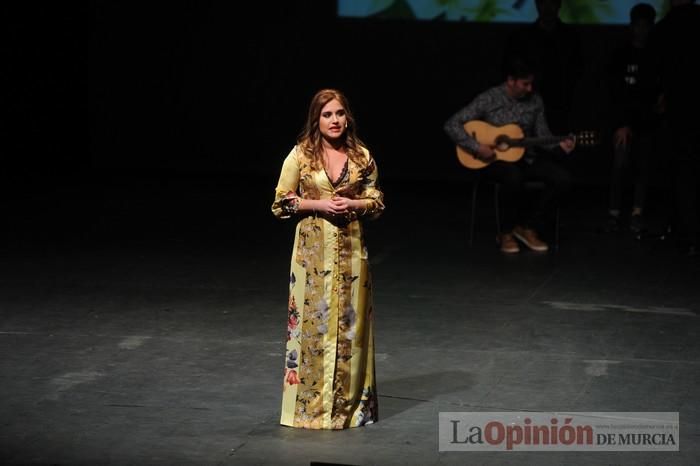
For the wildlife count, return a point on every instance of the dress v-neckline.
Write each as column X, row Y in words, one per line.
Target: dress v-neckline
column 340, row 176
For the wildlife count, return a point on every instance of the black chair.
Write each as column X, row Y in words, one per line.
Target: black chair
column 476, row 183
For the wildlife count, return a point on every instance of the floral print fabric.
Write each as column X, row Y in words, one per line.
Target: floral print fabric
column 329, row 380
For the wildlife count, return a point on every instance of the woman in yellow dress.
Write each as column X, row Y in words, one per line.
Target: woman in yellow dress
column 329, row 183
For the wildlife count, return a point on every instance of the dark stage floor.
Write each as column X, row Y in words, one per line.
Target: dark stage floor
column 143, row 322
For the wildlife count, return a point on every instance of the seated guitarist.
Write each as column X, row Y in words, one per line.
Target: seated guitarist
column 515, row 102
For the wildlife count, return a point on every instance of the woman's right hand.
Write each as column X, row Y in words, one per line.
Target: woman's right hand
column 330, row 207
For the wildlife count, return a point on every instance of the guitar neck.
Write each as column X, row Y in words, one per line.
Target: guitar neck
column 540, row 141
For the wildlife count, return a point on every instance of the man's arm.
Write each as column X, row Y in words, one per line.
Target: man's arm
column 454, row 126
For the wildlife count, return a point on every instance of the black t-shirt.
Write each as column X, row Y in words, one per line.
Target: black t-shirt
column 633, row 93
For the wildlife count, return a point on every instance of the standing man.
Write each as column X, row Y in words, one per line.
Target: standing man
column 673, row 44
column 554, row 48
column 633, row 98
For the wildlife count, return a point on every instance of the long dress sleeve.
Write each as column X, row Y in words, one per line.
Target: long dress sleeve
column 370, row 192
column 286, row 191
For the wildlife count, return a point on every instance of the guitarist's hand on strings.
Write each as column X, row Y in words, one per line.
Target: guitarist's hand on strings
column 485, row 153
column 568, row 144
column 622, row 136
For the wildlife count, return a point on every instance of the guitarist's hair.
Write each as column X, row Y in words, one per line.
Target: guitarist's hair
column 519, row 67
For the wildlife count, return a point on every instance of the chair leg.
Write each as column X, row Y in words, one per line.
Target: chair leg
column 497, row 207
column 556, row 229
column 472, row 220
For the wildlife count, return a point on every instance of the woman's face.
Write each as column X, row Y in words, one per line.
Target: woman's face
column 333, row 120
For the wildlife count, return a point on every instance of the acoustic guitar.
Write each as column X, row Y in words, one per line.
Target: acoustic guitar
column 509, row 142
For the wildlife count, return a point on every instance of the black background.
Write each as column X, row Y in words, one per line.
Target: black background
column 151, row 91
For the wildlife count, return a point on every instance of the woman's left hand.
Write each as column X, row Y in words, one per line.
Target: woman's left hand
column 345, row 203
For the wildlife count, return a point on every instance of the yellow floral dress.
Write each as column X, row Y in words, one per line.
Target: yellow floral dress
column 329, row 380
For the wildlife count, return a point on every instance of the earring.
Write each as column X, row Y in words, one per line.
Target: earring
column 346, row 124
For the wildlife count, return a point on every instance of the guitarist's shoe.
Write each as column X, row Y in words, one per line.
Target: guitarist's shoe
column 508, row 243
column 529, row 237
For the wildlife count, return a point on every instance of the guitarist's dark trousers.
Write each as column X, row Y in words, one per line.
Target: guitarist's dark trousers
column 520, row 206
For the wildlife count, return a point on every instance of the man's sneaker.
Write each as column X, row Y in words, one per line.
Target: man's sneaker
column 637, row 224
column 508, row 243
column 529, row 237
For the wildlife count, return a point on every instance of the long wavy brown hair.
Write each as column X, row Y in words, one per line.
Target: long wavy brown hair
column 310, row 139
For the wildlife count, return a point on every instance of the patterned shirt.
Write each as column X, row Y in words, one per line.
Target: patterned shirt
column 496, row 107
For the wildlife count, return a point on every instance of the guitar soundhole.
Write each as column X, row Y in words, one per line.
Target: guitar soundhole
column 502, row 142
